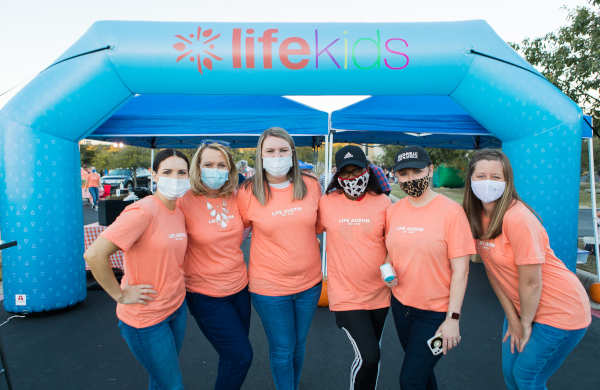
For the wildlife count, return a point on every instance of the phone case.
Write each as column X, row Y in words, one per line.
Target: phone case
column 436, row 344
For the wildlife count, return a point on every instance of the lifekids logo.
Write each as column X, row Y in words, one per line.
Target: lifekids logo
column 406, row 155
column 296, row 53
column 180, row 46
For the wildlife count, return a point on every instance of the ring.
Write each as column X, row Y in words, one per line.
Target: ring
column 455, row 343
column 521, row 340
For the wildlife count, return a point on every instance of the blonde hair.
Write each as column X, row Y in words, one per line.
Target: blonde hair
column 198, row 187
column 474, row 207
column 260, row 187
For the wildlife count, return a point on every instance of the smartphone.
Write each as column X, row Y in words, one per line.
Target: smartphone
column 436, row 344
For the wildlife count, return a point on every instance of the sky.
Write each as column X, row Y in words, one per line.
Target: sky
column 33, row 33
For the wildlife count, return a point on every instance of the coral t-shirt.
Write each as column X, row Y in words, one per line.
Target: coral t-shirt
column 93, row 180
column 421, row 241
column 153, row 240
column 355, row 250
column 564, row 304
column 284, row 251
column 84, row 174
column 214, row 263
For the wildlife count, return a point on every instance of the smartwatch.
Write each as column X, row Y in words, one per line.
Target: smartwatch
column 453, row 315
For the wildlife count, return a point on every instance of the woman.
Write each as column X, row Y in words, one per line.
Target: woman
column 216, row 278
column 151, row 299
column 353, row 215
column 93, row 181
column 429, row 243
column 320, row 173
column 242, row 166
column 547, row 309
column 285, row 268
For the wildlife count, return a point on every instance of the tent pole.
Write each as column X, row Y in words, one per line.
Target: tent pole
column 151, row 162
column 593, row 188
column 324, row 243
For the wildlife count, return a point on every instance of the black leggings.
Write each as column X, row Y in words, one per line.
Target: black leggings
column 364, row 329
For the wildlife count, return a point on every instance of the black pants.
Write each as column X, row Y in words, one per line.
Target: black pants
column 415, row 327
column 364, row 329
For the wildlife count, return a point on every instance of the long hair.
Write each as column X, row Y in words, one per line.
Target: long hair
column 373, row 186
column 474, row 207
column 198, row 186
column 260, row 187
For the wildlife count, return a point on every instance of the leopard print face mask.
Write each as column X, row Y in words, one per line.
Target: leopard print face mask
column 415, row 188
column 355, row 186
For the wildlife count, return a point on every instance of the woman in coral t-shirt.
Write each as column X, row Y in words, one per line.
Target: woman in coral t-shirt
column 429, row 243
column 151, row 298
column 285, row 275
column 547, row 309
column 216, row 278
column 353, row 214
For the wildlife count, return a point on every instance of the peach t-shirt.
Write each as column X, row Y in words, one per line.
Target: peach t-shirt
column 421, row 241
column 355, row 250
column 284, row 252
column 93, row 179
column 154, row 241
column 214, row 263
column 564, row 304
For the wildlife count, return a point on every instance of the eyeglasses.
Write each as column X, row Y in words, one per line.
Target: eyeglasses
column 206, row 142
column 354, row 172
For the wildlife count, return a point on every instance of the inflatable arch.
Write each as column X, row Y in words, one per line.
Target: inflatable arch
column 540, row 128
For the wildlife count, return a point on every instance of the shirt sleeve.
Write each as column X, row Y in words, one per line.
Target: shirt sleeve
column 528, row 239
column 129, row 227
column 459, row 238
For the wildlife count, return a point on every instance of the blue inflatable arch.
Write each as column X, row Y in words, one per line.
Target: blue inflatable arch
column 540, row 128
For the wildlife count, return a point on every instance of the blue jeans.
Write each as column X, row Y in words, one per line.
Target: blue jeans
column 546, row 350
column 95, row 192
column 225, row 322
column 157, row 348
column 286, row 320
column 415, row 327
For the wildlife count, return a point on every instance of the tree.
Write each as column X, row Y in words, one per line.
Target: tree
column 87, row 153
column 569, row 58
column 132, row 157
column 104, row 158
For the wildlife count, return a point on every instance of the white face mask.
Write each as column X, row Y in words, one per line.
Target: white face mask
column 172, row 188
column 277, row 167
column 488, row 190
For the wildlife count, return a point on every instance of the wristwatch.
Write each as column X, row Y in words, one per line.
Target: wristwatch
column 453, row 315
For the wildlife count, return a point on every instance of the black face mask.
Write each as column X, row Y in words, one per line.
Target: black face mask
column 415, row 188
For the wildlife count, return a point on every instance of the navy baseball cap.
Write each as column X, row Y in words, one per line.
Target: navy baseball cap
column 411, row 157
column 350, row 154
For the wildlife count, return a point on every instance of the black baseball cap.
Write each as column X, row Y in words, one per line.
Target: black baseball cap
column 411, row 157
column 350, row 154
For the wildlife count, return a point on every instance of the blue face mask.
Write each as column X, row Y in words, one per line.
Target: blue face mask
column 214, row 178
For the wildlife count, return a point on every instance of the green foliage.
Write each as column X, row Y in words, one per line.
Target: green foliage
column 133, row 157
column 569, row 57
column 87, row 153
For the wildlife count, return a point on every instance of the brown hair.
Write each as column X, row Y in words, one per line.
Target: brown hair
column 198, row 187
column 474, row 207
column 260, row 187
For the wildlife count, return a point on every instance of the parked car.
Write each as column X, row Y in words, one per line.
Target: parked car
column 119, row 176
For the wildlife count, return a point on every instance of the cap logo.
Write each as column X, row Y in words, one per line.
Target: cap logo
column 406, row 155
column 348, row 155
